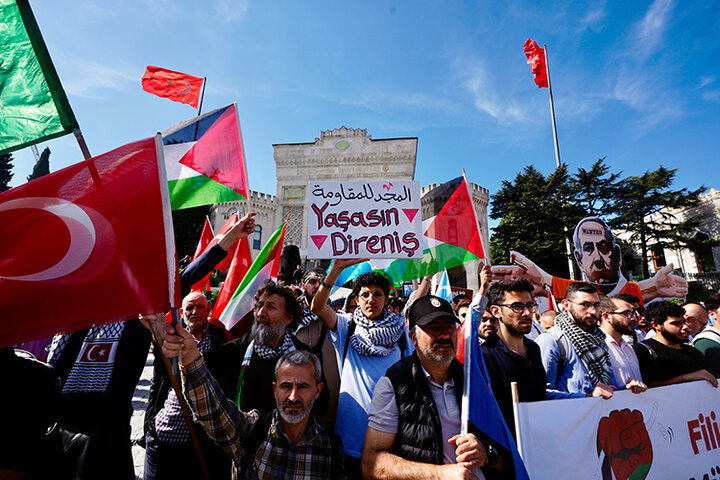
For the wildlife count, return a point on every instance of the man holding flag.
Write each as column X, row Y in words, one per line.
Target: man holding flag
column 414, row 418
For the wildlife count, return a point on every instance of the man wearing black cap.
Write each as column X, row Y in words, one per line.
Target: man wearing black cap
column 414, row 417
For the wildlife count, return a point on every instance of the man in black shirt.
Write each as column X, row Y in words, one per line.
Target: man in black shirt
column 509, row 355
column 666, row 359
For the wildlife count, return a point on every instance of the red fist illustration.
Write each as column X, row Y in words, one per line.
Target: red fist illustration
column 624, row 439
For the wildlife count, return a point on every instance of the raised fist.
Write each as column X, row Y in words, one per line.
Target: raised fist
column 624, row 439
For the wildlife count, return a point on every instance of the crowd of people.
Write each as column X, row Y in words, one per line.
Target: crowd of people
column 369, row 387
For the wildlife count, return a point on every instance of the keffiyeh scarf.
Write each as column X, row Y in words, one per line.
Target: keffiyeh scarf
column 590, row 347
column 376, row 337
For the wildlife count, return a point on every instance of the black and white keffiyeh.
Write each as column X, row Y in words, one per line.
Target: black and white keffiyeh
column 590, row 347
column 308, row 316
column 376, row 337
column 94, row 364
column 269, row 353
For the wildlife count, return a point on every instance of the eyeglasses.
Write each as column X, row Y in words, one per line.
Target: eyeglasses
column 519, row 307
column 587, row 305
column 627, row 313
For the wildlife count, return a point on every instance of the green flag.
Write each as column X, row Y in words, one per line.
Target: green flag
column 33, row 105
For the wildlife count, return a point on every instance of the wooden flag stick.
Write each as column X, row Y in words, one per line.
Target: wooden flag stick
column 158, row 338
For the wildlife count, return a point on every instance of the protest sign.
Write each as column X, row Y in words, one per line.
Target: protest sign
column 666, row 432
column 377, row 219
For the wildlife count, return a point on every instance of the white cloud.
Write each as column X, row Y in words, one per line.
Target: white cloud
column 90, row 79
column 594, row 19
column 712, row 96
column 479, row 85
column 231, row 10
column 651, row 29
column 706, row 80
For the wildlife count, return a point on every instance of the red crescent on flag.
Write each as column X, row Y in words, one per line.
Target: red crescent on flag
column 89, row 352
column 79, row 225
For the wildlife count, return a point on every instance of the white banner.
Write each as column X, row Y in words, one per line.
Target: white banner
column 665, row 433
column 378, row 219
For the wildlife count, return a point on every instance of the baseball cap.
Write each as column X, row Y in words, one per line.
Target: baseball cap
column 426, row 309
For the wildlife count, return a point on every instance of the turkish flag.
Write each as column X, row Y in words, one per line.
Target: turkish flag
column 86, row 246
column 206, row 236
column 179, row 87
column 536, row 60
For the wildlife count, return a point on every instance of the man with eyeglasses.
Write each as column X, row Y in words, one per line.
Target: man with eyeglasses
column 312, row 332
column 574, row 352
column 509, row 355
column 367, row 343
column 617, row 319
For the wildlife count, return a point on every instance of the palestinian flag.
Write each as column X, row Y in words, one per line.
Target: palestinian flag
column 265, row 267
column 205, row 160
column 452, row 237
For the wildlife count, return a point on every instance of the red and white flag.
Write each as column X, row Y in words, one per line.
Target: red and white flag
column 178, row 87
column 536, row 60
column 87, row 245
column 206, row 237
column 239, row 266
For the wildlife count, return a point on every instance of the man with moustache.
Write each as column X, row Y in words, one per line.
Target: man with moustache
column 509, row 355
column 574, row 352
column 617, row 320
column 414, row 418
column 666, row 359
column 244, row 367
column 696, row 318
column 312, row 332
column 367, row 343
column 286, row 442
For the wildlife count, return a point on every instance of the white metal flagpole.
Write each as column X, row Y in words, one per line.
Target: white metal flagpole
column 568, row 248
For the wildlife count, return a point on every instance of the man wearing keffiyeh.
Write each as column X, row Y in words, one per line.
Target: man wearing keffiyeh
column 367, row 343
column 574, row 352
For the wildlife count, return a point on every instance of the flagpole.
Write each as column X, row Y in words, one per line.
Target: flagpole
column 171, row 257
column 568, row 250
column 202, row 95
column 81, row 141
column 465, row 403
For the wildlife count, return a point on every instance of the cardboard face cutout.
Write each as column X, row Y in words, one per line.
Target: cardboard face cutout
column 596, row 252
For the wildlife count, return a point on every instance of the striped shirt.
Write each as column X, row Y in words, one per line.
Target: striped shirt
column 229, row 427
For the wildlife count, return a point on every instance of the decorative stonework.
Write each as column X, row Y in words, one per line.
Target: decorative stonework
column 294, row 231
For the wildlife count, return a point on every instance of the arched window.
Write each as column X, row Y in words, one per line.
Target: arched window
column 257, row 237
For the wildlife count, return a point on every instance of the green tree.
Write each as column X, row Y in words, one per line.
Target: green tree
column 42, row 166
column 594, row 191
column 648, row 209
column 531, row 209
column 188, row 224
column 5, row 171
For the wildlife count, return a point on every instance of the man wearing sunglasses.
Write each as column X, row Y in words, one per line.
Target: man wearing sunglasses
column 618, row 319
column 574, row 352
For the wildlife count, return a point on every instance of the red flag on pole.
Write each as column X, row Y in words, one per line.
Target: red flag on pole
column 178, row 87
column 239, row 266
column 77, row 252
column 206, row 236
column 536, row 60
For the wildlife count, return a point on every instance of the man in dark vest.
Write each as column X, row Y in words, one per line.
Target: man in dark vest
column 414, row 417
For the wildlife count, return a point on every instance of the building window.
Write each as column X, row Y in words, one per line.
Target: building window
column 703, row 253
column 257, row 237
column 658, row 254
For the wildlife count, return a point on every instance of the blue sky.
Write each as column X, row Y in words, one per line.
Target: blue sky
column 637, row 82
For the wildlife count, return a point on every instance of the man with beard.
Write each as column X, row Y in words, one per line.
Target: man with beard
column 244, row 367
column 313, row 333
column 666, row 359
column 617, row 319
column 169, row 452
column 414, row 418
column 574, row 352
column 509, row 355
column 367, row 343
column 286, row 442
